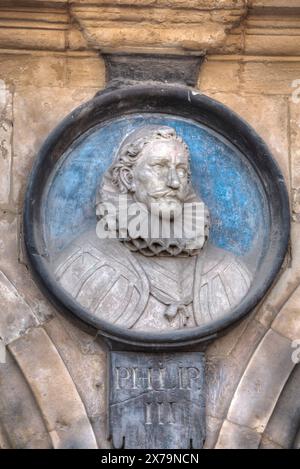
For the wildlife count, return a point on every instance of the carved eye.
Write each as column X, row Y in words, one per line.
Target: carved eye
column 158, row 166
column 181, row 172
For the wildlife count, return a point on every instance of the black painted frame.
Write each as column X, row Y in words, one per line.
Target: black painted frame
column 183, row 102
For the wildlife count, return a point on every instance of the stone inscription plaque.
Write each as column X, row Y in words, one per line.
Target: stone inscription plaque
column 157, row 401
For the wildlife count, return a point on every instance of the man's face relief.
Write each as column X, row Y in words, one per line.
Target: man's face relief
column 161, row 177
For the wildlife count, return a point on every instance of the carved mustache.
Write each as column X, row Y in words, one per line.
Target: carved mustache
column 162, row 193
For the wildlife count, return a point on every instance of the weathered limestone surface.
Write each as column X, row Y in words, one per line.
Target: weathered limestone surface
column 63, row 83
column 237, row 437
column 227, row 359
column 273, row 78
column 18, row 317
column 5, row 142
column 283, row 425
column 21, row 69
column 287, row 322
column 192, row 26
column 58, row 399
column 296, row 444
column 21, row 421
column 251, row 75
column 286, row 285
column 50, row 62
column 262, row 382
column 295, row 148
column 85, row 359
column 17, row 278
column 50, row 103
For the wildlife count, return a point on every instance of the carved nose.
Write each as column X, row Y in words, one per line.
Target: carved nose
column 173, row 180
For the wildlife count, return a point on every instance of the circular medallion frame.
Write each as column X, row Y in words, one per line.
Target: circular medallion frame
column 185, row 103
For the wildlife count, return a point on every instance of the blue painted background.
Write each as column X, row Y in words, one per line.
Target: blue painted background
column 224, row 179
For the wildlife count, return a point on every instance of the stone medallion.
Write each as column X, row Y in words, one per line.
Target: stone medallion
column 169, row 146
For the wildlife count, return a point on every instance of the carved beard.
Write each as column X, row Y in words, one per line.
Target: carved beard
column 168, row 247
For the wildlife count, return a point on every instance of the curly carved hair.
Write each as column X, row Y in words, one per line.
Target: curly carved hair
column 130, row 151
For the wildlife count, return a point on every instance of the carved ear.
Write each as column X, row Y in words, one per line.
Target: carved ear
column 126, row 177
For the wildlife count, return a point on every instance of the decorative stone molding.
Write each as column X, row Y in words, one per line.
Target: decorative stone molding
column 273, row 31
column 174, row 27
column 155, row 26
column 33, row 27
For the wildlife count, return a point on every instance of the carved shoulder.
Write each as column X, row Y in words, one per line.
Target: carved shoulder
column 104, row 279
column 222, row 280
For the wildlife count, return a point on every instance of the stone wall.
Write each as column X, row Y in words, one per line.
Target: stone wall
column 52, row 386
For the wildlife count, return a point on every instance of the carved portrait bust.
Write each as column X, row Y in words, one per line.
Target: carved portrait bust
column 152, row 283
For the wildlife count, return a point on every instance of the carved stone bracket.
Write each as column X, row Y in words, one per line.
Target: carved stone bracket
column 158, row 26
column 122, row 68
